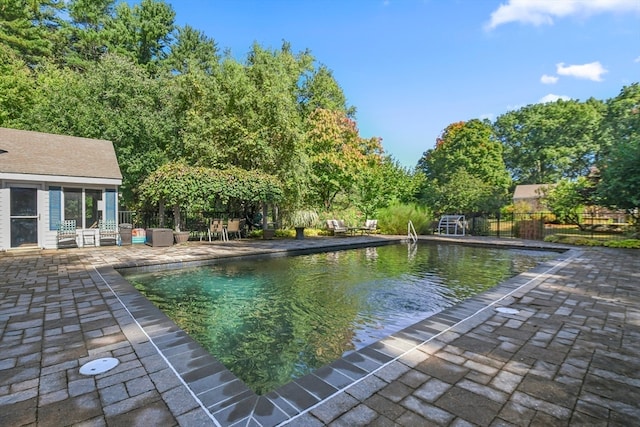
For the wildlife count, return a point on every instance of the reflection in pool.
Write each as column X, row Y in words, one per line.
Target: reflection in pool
column 272, row 320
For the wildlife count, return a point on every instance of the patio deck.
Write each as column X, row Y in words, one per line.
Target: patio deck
column 569, row 356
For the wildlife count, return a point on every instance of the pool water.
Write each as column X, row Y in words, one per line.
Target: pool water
column 272, row 320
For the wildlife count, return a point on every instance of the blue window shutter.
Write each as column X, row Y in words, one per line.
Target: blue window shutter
column 55, row 207
column 110, row 205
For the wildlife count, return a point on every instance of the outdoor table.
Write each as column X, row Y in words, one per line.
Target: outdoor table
column 352, row 230
column 89, row 237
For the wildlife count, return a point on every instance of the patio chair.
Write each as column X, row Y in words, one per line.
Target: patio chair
column 330, row 226
column 217, row 229
column 370, row 226
column 233, row 227
column 66, row 236
column 198, row 230
column 339, row 228
column 107, row 231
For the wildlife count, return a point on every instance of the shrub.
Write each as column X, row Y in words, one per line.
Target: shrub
column 581, row 241
column 584, row 241
column 479, row 226
column 520, row 208
column 552, row 238
column 549, row 218
column 302, row 218
column 394, row 219
column 256, row 233
column 627, row 243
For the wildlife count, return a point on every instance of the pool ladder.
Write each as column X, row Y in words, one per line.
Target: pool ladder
column 411, row 232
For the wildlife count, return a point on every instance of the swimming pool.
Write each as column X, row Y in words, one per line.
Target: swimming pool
column 272, row 320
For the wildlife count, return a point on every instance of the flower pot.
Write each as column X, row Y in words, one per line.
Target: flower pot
column 299, row 233
column 181, row 236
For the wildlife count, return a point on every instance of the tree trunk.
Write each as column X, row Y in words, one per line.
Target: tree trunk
column 265, row 212
column 161, row 214
column 176, row 217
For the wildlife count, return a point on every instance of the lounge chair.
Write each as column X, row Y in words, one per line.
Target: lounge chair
column 370, row 226
column 330, row 226
column 452, row 224
column 67, row 234
column 339, row 228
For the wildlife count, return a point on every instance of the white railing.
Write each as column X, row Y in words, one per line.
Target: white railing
column 411, row 232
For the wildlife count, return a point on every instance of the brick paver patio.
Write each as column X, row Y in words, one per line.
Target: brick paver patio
column 568, row 355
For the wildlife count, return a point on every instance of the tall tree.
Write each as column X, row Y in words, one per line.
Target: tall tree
column 216, row 131
column 113, row 99
column 337, row 155
column 16, row 86
column 143, row 31
column 86, row 33
column 321, row 90
column 461, row 192
column 192, row 48
column 277, row 129
column 620, row 167
column 546, row 142
column 247, row 115
column 380, row 181
column 568, row 198
column 467, row 159
column 28, row 27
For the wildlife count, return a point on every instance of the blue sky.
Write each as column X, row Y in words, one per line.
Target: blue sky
column 412, row 67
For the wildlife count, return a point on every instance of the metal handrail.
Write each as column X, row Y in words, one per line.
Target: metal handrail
column 411, row 232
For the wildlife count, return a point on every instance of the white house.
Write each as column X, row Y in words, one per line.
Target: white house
column 46, row 178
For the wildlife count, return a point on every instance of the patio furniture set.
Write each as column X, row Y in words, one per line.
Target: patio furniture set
column 338, row 227
column 218, row 229
column 104, row 233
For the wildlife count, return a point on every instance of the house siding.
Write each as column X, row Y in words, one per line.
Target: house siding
column 5, row 212
column 48, row 238
column 5, row 237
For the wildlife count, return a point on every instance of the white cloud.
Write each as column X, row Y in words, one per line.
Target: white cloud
column 637, row 59
column 515, row 107
column 592, row 71
column 549, row 80
column 543, row 12
column 553, row 98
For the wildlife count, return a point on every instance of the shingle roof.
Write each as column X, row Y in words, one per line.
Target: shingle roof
column 529, row 191
column 27, row 152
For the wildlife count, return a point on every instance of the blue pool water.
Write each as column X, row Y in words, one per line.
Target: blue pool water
column 275, row 319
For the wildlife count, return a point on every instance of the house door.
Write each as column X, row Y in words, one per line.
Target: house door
column 24, row 217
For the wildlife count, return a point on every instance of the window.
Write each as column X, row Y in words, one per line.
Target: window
column 92, row 210
column 73, row 205
column 86, row 206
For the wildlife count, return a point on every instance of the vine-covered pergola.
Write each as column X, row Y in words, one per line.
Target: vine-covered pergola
column 200, row 188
